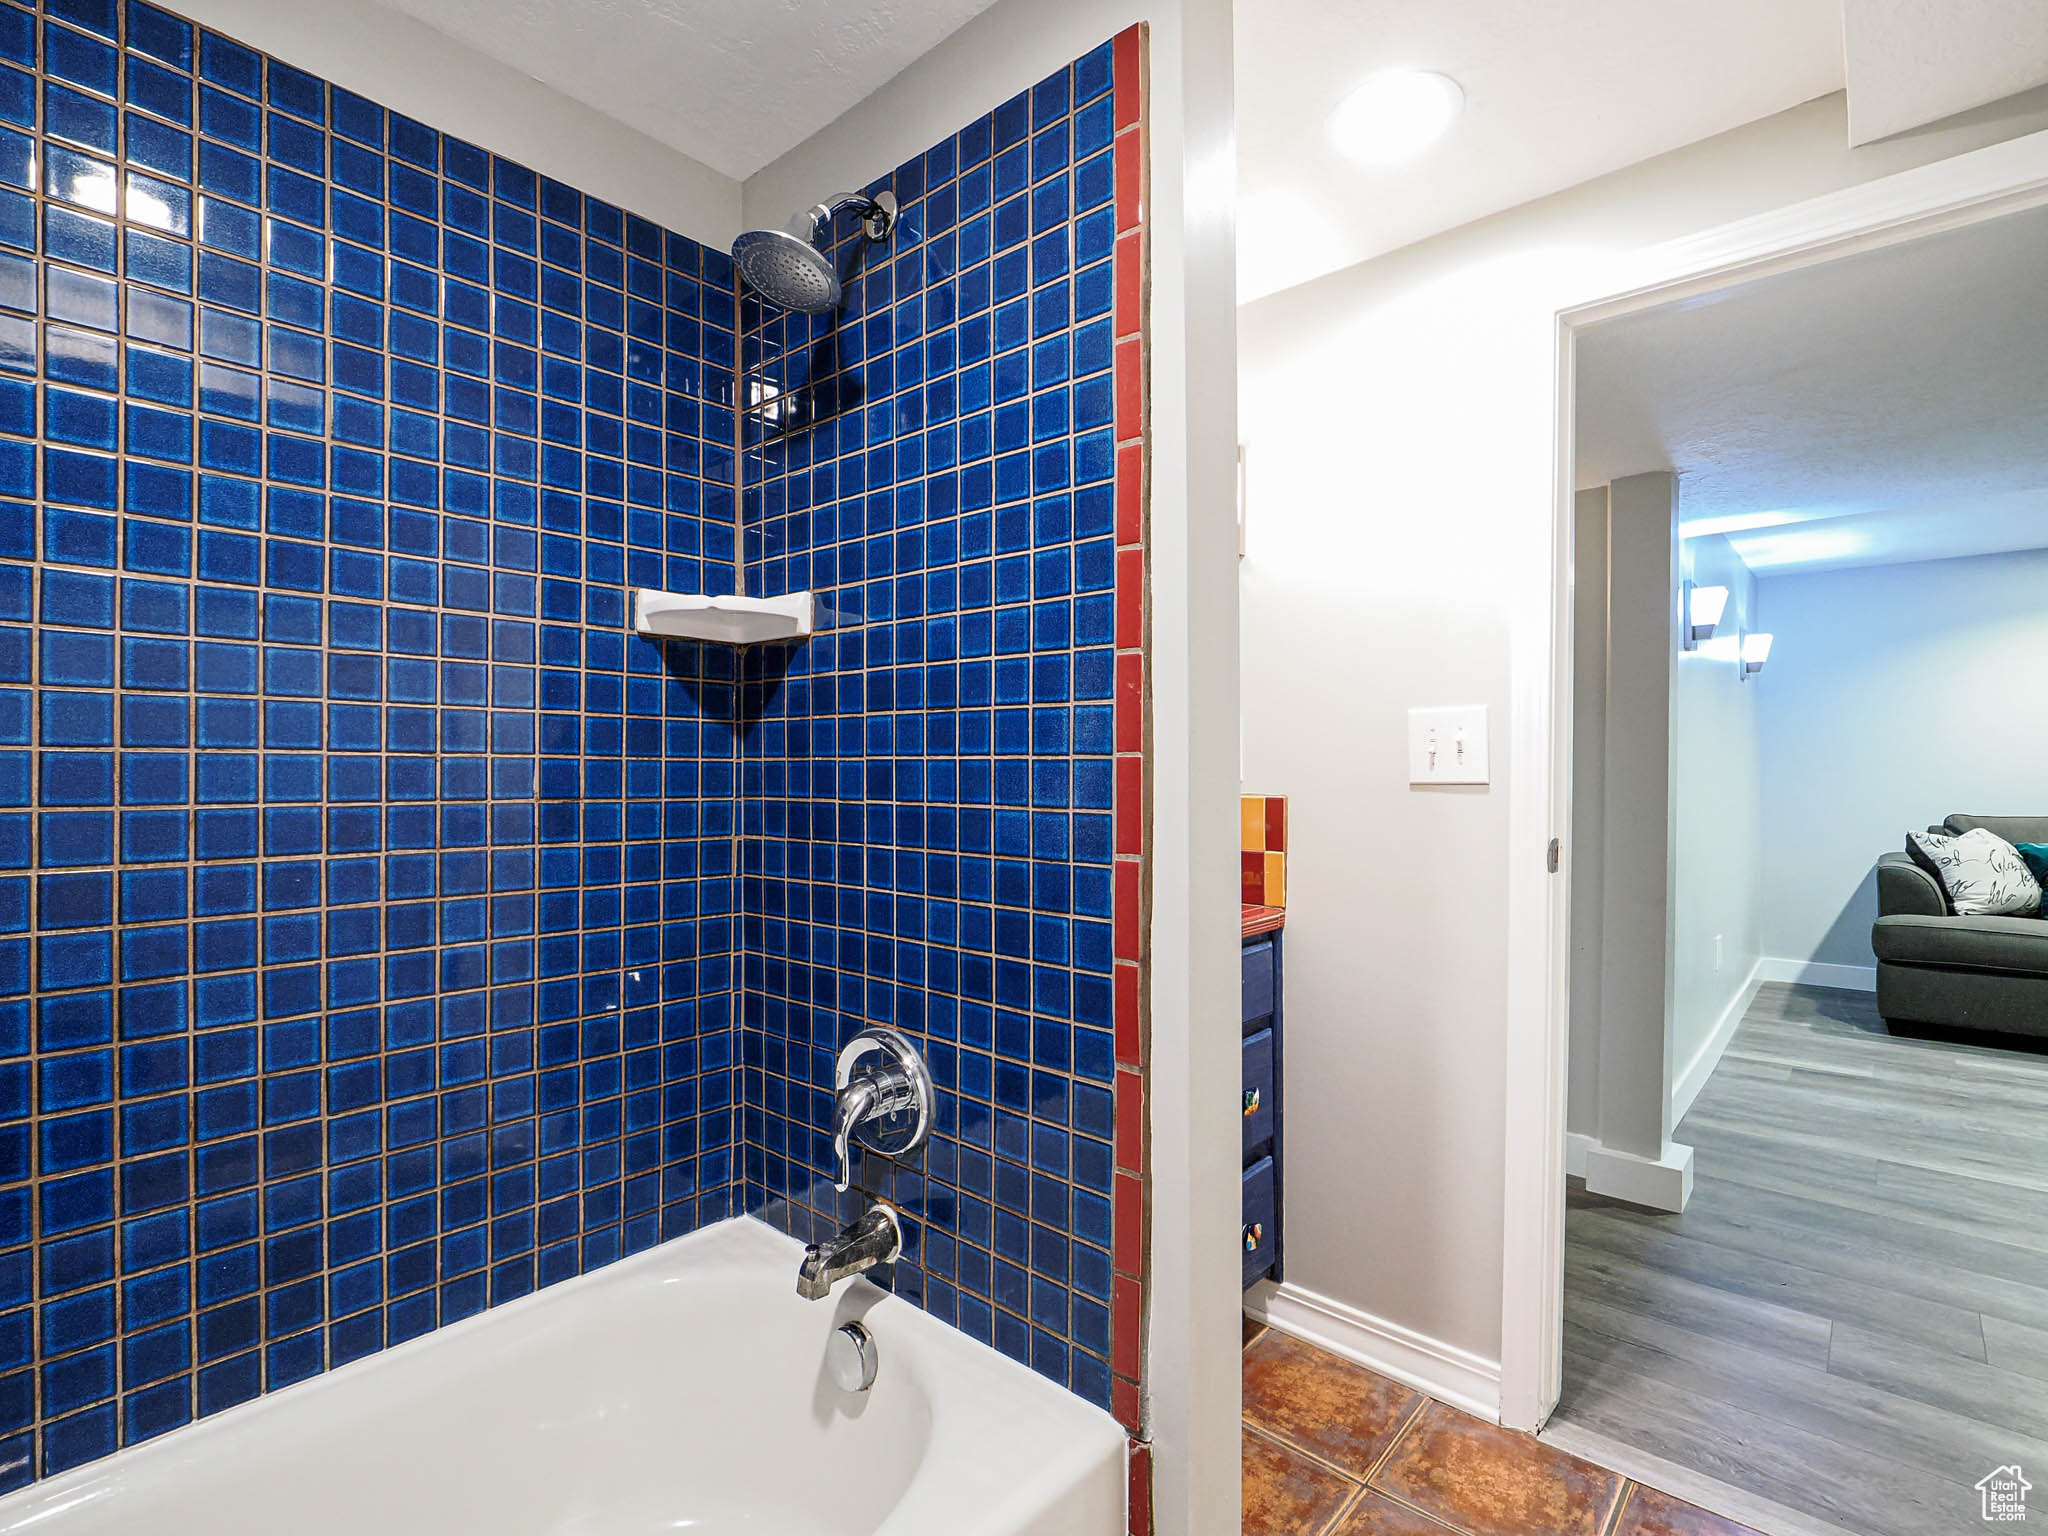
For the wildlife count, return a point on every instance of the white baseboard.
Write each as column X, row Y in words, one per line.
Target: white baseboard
column 1576, row 1145
column 1811, row 973
column 1692, row 1077
column 1446, row 1372
column 1661, row 1183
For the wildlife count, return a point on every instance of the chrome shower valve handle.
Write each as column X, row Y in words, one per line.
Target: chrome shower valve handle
column 882, row 1098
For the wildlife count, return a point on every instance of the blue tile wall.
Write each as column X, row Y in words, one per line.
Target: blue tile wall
column 926, row 788
column 367, row 901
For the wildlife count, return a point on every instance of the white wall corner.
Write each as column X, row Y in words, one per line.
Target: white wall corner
column 410, row 67
column 1444, row 1371
column 1693, row 1075
column 1660, row 1183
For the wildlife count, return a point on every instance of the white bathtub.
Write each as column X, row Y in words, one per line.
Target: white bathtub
column 682, row 1390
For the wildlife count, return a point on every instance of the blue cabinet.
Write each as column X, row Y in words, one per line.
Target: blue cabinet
column 1262, row 1109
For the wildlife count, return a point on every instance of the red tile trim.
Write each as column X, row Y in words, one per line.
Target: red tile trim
column 1130, row 493
column 1130, row 284
column 1130, row 599
column 1123, row 1402
column 1130, row 817
column 1126, row 70
column 1141, row 1489
column 1130, row 382
column 1128, row 1220
column 1126, row 909
column 1130, row 804
column 1130, row 1121
column 1130, row 179
column 1127, row 1317
column 1130, row 701
column 1128, row 1043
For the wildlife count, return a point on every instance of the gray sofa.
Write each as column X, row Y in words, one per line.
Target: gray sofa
column 1935, row 969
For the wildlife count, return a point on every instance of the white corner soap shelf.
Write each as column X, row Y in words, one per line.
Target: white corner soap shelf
column 721, row 620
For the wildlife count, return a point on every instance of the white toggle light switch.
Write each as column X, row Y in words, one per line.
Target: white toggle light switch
column 1447, row 746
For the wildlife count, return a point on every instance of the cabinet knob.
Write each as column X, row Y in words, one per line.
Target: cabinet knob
column 1254, row 1234
column 1251, row 1102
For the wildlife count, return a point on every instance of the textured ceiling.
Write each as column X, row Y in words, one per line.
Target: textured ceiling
column 1911, row 62
column 732, row 83
column 1556, row 92
column 1881, row 407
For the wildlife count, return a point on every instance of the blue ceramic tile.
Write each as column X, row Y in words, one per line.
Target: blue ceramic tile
column 206, row 577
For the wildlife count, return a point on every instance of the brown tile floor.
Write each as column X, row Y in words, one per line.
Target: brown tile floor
column 1332, row 1449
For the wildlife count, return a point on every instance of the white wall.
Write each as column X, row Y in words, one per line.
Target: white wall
column 1398, row 419
column 406, row 65
column 1192, row 1362
column 1717, row 828
column 1895, row 695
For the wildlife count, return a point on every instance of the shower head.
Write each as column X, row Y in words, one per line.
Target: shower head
column 790, row 268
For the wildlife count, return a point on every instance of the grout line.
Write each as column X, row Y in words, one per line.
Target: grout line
column 1280, row 1437
column 1613, row 1521
column 1394, row 1440
column 1344, row 1509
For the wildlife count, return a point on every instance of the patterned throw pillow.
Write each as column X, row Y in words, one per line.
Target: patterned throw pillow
column 1983, row 874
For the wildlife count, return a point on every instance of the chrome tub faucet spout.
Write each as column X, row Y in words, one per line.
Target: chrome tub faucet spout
column 872, row 1239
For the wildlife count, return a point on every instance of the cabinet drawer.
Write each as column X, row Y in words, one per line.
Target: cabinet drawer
column 1258, row 1090
column 1258, row 984
column 1259, row 1229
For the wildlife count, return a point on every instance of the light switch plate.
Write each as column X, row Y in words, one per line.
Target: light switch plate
column 1448, row 746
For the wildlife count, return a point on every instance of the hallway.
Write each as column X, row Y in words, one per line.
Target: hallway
column 1851, row 1317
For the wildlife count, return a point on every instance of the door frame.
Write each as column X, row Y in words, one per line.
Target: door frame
column 1965, row 189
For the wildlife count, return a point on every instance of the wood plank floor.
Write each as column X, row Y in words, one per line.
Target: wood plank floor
column 1851, row 1317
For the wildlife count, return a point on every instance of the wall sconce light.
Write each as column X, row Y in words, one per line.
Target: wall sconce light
column 1756, row 650
column 1703, row 609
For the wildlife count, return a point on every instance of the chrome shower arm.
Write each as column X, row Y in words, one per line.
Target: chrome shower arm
column 877, row 215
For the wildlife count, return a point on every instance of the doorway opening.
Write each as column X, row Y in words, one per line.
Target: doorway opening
column 1803, row 1277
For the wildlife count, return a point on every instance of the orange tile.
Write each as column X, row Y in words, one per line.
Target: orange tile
column 1285, row 1493
column 1251, row 823
column 1377, row 1515
column 1274, row 882
column 1488, row 1481
column 1650, row 1513
column 1340, row 1412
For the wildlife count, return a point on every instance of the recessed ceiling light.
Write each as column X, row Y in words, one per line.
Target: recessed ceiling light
column 1396, row 115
